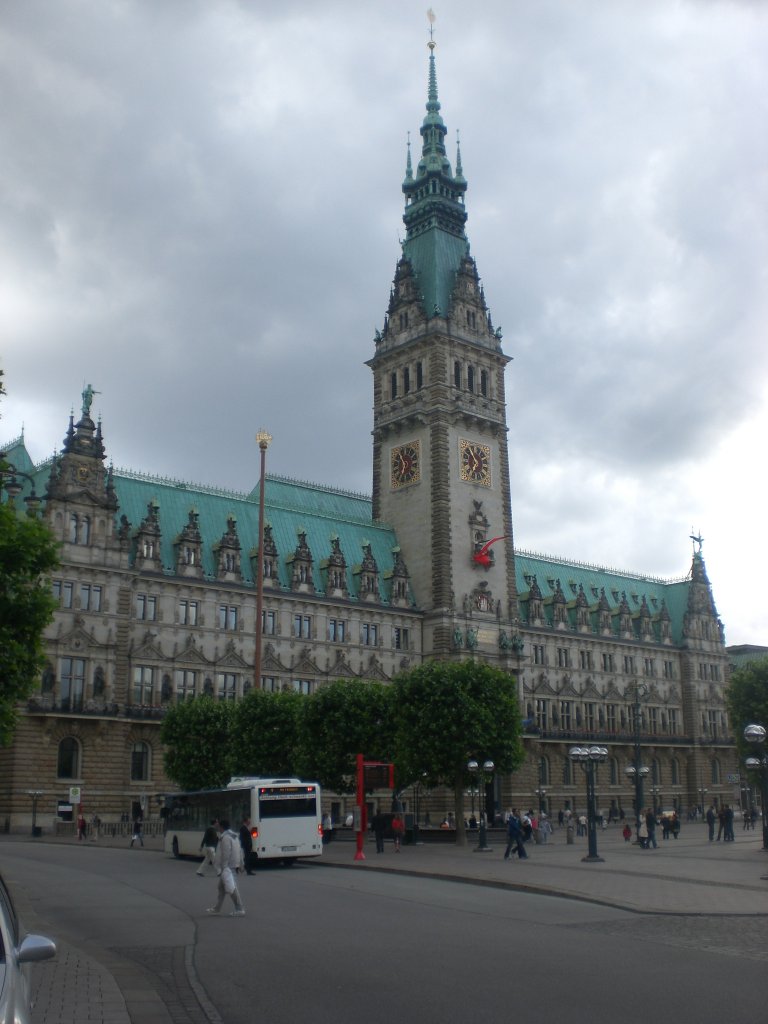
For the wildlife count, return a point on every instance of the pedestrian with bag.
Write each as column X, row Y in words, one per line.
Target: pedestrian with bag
column 228, row 863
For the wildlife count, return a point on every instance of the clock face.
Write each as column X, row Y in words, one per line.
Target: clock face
column 405, row 464
column 475, row 462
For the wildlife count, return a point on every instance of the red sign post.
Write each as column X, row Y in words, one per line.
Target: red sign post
column 377, row 775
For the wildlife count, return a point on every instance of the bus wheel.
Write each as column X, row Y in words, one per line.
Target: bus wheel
column 288, row 862
column 175, row 848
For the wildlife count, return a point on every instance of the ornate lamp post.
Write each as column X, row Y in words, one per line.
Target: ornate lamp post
column 480, row 777
column 541, row 792
column 655, row 791
column 636, row 772
column 758, row 763
column 35, row 794
column 13, row 488
column 588, row 758
column 263, row 440
column 702, row 791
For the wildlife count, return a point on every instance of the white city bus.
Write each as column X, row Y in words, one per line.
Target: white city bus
column 286, row 819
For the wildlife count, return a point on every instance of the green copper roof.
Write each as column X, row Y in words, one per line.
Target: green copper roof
column 594, row 580
column 434, row 214
column 290, row 508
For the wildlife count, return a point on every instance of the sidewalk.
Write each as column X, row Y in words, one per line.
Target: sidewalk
column 688, row 875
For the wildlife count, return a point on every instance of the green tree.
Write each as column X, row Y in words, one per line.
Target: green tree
column 28, row 552
column 265, row 733
column 197, row 739
column 339, row 721
column 446, row 714
column 747, row 699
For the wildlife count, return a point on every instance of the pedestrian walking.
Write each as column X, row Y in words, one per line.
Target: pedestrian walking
column 81, row 826
column 208, row 846
column 642, row 832
column 379, row 825
column 228, row 862
column 545, row 829
column 626, row 832
column 398, row 828
column 650, row 819
column 246, row 841
column 711, row 819
column 137, row 832
column 729, row 836
column 514, row 837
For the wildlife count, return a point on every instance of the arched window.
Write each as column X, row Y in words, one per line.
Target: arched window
column 675, row 771
column 544, row 771
column 715, row 772
column 68, row 763
column 140, row 762
column 393, row 385
column 656, row 772
column 457, row 374
column 567, row 772
column 613, row 766
column 470, row 378
column 73, row 525
column 484, row 383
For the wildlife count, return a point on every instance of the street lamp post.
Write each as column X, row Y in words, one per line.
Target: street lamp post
column 636, row 772
column 35, row 794
column 589, row 758
column 263, row 440
column 758, row 763
column 655, row 792
column 481, row 774
column 541, row 793
column 702, row 791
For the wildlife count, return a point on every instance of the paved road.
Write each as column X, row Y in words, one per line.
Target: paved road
column 135, row 944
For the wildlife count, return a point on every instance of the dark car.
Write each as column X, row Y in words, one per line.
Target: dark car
column 15, row 956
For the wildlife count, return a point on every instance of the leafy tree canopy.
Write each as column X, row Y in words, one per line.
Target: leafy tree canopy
column 747, row 698
column 450, row 712
column 339, row 721
column 28, row 552
column 196, row 735
column 265, row 734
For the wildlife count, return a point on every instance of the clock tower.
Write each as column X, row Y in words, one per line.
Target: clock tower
column 440, row 460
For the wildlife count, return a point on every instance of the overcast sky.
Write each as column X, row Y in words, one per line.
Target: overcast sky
column 200, row 211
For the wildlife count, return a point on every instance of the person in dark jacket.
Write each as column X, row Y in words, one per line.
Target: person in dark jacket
column 246, row 841
column 379, row 826
column 208, row 846
column 514, row 837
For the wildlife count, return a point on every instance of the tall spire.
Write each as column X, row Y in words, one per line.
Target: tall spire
column 434, row 208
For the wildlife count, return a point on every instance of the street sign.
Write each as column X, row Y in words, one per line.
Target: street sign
column 74, row 794
column 734, row 777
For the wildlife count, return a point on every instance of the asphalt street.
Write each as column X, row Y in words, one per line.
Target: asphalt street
column 433, row 931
